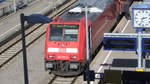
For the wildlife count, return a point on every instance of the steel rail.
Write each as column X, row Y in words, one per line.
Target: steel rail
column 63, row 80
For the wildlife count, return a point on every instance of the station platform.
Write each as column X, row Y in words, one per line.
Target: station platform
column 118, row 60
column 5, row 4
column 6, row 8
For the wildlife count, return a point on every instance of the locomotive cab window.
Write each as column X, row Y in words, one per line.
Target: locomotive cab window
column 59, row 32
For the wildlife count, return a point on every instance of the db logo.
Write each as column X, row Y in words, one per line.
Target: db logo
column 62, row 50
column 61, row 57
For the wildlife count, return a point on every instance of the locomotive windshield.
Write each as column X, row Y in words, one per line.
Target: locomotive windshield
column 61, row 32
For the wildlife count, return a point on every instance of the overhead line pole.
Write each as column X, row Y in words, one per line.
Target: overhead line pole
column 87, row 42
column 25, row 65
column 32, row 19
column 86, row 10
column 14, row 2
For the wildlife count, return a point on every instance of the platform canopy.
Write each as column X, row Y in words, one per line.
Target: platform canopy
column 125, row 41
column 37, row 18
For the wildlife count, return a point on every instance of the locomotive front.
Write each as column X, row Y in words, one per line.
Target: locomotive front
column 62, row 51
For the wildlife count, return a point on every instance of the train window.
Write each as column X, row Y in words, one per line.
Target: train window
column 59, row 32
column 71, row 34
column 56, row 34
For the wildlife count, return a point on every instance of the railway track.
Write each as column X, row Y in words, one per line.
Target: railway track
column 62, row 80
column 11, row 49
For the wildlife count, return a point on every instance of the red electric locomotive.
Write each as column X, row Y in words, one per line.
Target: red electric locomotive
column 65, row 46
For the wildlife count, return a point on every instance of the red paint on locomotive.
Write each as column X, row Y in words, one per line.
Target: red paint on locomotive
column 66, row 49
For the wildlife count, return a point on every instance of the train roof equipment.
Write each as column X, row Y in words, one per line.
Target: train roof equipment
column 90, row 9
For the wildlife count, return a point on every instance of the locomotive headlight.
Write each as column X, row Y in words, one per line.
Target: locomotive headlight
column 71, row 50
column 51, row 56
column 73, row 57
column 53, row 50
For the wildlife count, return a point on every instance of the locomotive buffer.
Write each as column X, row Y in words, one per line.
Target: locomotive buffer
column 139, row 42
